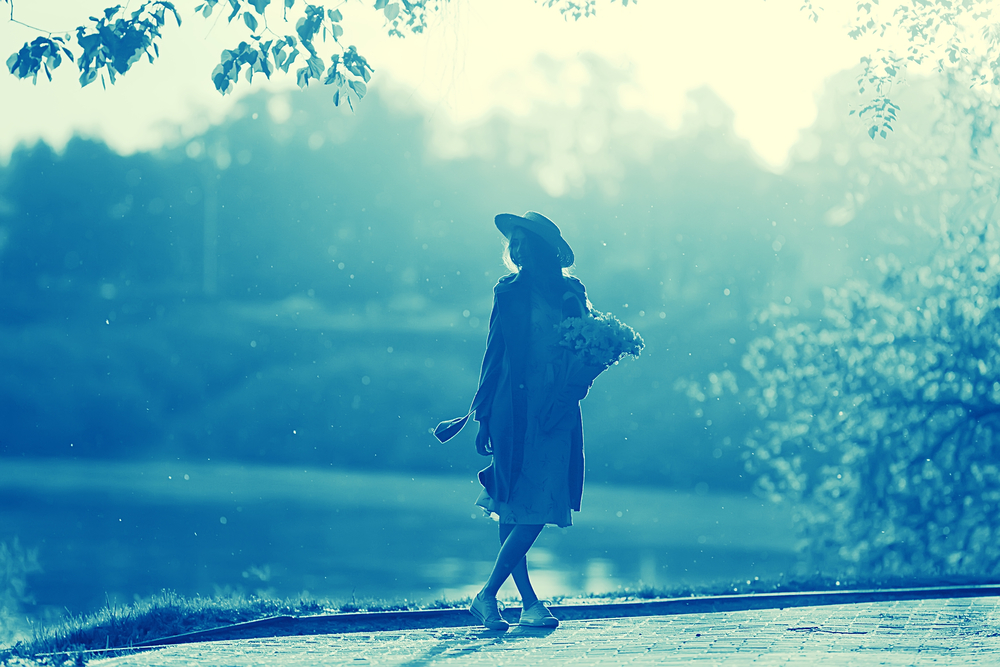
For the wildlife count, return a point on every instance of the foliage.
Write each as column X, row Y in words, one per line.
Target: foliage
column 348, row 71
column 955, row 35
column 878, row 417
column 577, row 9
column 16, row 564
column 885, row 416
column 951, row 35
column 42, row 54
column 117, row 40
column 114, row 43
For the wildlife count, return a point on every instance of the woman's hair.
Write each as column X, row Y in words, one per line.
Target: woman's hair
column 547, row 257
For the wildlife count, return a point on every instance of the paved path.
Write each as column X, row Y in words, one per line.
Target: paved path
column 919, row 632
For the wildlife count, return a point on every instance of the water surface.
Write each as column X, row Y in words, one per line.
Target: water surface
column 121, row 530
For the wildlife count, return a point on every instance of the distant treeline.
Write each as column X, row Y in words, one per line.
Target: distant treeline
column 317, row 290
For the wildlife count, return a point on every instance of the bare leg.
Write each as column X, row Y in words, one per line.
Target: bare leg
column 520, row 572
column 515, row 546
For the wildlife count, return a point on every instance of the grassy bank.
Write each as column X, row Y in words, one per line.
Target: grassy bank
column 163, row 615
column 75, row 639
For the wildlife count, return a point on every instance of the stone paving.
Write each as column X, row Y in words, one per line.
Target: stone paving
column 919, row 632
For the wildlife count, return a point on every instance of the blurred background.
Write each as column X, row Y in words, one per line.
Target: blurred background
column 223, row 344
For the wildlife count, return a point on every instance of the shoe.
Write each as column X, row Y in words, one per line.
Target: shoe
column 487, row 612
column 538, row 616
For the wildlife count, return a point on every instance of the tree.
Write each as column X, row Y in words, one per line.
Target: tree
column 885, row 416
column 113, row 42
column 880, row 419
column 958, row 37
column 953, row 35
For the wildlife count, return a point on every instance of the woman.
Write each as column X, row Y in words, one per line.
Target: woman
column 529, row 420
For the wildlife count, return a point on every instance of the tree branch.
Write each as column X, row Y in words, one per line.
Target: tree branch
column 31, row 27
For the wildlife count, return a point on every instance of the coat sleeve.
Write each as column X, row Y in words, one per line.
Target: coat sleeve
column 492, row 363
column 489, row 377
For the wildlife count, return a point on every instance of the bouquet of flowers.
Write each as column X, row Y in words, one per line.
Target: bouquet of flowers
column 593, row 343
column 600, row 339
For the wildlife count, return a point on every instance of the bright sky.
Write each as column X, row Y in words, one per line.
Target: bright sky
column 762, row 57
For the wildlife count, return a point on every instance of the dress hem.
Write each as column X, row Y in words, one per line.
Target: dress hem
column 506, row 515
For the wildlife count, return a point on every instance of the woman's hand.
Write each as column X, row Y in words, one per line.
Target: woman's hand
column 483, row 440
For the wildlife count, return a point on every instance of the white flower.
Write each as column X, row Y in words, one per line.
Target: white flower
column 600, row 339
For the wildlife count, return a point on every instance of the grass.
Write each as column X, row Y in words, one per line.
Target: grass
column 120, row 626
column 813, row 584
column 163, row 615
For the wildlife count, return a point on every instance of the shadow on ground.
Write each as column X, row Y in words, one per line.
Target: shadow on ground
column 467, row 642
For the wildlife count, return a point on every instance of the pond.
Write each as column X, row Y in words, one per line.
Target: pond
column 124, row 530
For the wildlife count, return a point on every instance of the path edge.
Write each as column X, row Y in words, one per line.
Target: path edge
column 354, row 622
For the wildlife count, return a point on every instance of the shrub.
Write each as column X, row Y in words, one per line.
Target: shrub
column 16, row 563
column 881, row 419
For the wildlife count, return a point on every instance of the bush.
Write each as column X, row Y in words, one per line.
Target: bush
column 16, row 563
column 882, row 418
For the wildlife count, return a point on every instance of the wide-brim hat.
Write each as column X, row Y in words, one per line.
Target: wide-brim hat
column 539, row 224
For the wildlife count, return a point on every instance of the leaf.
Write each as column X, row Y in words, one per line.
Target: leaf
column 331, row 73
column 380, row 4
column 872, row 130
column 315, row 67
column 260, row 5
column 335, row 15
column 173, row 10
column 391, row 11
column 220, row 79
column 251, row 22
column 359, row 87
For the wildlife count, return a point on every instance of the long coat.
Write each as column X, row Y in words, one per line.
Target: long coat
column 501, row 400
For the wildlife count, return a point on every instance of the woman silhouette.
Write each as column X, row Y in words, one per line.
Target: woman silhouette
column 529, row 419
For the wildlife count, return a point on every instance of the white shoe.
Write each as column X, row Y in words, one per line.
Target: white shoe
column 538, row 616
column 487, row 612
